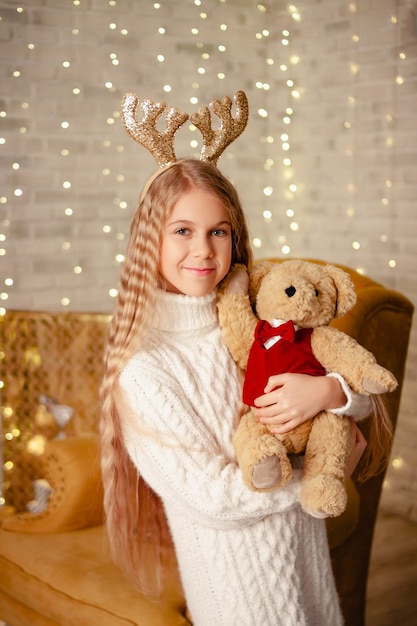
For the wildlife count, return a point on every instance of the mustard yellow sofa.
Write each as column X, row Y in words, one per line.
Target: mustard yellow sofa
column 55, row 567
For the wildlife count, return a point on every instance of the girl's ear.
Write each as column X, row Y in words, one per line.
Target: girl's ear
column 256, row 275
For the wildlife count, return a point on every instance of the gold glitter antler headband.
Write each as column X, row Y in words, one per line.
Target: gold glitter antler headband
column 161, row 144
column 216, row 141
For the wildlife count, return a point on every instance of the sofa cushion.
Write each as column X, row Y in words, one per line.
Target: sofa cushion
column 72, row 468
column 71, row 580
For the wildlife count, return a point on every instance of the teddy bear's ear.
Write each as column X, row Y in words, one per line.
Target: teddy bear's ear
column 256, row 275
column 346, row 294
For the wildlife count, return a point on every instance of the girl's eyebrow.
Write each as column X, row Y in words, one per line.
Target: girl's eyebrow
column 188, row 222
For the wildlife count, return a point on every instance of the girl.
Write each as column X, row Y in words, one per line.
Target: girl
column 171, row 399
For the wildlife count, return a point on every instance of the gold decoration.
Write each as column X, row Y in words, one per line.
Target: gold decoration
column 216, row 141
column 161, row 143
column 56, row 354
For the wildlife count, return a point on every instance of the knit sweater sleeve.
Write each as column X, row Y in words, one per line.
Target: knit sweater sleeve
column 357, row 405
column 181, row 458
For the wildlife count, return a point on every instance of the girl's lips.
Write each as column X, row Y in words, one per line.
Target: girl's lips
column 200, row 271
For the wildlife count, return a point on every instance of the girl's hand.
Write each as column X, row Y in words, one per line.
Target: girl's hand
column 358, row 447
column 291, row 399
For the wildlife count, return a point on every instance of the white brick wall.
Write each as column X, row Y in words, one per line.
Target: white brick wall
column 352, row 138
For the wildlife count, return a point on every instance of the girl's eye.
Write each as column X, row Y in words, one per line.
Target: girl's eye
column 182, row 231
column 219, row 232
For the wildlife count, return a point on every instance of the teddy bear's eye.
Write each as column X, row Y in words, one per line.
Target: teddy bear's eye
column 317, row 293
column 290, row 291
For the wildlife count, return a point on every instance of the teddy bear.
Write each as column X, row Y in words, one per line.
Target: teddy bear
column 276, row 320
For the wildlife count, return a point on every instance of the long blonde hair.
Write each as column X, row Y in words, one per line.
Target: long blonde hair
column 135, row 519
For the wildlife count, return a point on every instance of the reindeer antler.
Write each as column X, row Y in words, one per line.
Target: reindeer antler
column 215, row 141
column 159, row 144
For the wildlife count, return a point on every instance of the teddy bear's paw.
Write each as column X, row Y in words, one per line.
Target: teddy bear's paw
column 377, row 379
column 323, row 496
column 267, row 474
column 238, row 282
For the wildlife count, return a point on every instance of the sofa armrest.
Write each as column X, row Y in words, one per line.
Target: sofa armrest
column 73, row 471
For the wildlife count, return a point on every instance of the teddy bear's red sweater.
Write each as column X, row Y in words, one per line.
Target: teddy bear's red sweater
column 291, row 353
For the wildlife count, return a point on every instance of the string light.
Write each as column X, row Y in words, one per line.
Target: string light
column 280, row 70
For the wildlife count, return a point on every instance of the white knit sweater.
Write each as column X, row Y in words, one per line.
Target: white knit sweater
column 245, row 558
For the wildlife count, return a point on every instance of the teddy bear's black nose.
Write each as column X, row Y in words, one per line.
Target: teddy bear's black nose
column 290, row 291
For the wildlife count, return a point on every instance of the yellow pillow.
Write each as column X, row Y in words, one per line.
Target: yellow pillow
column 73, row 471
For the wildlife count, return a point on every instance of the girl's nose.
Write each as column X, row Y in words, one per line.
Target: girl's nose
column 202, row 247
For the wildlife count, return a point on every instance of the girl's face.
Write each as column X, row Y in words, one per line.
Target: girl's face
column 196, row 250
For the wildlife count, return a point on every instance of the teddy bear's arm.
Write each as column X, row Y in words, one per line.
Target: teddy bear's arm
column 236, row 317
column 237, row 322
column 338, row 352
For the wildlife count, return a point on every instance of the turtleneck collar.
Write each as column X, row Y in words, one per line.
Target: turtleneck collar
column 177, row 312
